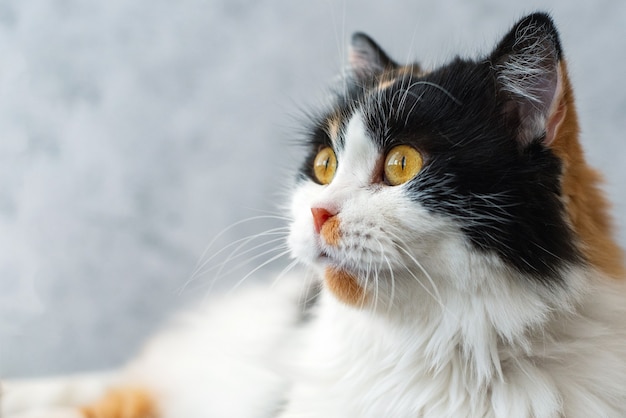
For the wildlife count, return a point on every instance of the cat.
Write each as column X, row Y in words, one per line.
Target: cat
column 459, row 262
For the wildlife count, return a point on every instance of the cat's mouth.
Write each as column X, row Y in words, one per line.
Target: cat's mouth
column 324, row 257
column 328, row 259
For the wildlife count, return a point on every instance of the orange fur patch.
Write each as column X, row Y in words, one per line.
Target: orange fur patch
column 383, row 84
column 345, row 287
column 331, row 231
column 411, row 69
column 334, row 126
column 122, row 403
column 586, row 206
column 391, row 76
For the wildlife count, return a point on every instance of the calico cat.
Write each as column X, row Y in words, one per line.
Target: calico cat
column 465, row 259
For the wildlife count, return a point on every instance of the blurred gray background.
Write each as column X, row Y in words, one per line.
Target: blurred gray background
column 133, row 132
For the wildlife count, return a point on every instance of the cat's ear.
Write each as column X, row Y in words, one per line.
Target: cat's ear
column 529, row 76
column 366, row 59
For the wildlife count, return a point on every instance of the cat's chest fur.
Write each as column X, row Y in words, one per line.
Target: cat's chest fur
column 351, row 363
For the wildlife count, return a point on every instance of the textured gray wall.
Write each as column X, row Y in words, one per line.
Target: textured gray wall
column 132, row 133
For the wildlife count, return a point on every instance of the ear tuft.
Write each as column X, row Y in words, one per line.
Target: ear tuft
column 366, row 58
column 527, row 65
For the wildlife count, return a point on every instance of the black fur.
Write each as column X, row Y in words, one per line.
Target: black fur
column 543, row 22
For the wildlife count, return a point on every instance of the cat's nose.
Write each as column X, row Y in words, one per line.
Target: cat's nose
column 320, row 216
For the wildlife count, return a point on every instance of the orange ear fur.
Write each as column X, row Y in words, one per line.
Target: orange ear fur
column 585, row 203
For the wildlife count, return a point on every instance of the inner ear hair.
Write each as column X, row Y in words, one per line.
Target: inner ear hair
column 530, row 78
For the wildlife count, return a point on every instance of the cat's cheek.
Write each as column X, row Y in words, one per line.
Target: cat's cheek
column 302, row 240
column 301, row 246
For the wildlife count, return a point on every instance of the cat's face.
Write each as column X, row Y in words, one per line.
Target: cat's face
column 373, row 232
column 416, row 181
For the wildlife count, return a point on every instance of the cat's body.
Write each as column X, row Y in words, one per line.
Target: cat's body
column 465, row 254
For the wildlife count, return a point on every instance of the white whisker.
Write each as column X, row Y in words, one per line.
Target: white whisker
column 203, row 260
column 201, row 269
column 265, row 263
column 255, row 257
column 229, row 228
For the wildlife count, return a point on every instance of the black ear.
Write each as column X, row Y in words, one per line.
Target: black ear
column 366, row 59
column 530, row 79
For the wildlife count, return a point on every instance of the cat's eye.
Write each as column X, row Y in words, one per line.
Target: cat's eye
column 325, row 165
column 402, row 163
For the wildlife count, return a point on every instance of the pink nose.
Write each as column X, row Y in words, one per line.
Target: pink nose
column 320, row 216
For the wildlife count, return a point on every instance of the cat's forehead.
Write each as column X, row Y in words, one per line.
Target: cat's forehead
column 348, row 131
column 385, row 105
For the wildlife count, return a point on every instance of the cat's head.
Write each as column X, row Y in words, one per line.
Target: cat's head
column 458, row 178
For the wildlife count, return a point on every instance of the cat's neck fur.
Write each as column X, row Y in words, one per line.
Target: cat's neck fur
column 475, row 358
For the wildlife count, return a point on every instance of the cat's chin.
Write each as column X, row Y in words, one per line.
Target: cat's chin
column 323, row 258
column 342, row 281
column 326, row 262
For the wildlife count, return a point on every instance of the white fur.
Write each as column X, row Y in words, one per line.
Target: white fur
column 220, row 360
column 456, row 363
column 224, row 360
column 52, row 397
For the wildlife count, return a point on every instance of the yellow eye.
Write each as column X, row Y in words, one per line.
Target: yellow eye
column 402, row 164
column 325, row 165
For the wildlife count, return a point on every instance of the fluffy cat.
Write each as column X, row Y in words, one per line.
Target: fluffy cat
column 465, row 260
